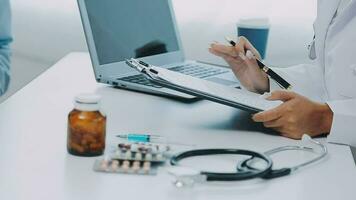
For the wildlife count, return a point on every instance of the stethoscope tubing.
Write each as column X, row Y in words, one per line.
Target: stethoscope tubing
column 244, row 170
column 236, row 176
column 275, row 173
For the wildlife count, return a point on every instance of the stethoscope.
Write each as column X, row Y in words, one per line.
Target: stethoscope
column 245, row 169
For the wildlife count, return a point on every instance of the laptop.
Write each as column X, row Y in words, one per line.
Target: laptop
column 117, row 30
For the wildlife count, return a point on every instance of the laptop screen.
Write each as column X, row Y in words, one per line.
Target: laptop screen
column 125, row 29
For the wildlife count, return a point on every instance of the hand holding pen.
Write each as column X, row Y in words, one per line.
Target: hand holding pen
column 245, row 62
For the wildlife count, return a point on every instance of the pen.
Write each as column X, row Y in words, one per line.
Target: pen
column 283, row 83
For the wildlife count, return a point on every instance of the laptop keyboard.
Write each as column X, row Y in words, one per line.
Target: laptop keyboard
column 198, row 70
column 188, row 69
column 139, row 79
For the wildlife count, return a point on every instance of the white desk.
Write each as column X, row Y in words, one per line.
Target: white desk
column 35, row 164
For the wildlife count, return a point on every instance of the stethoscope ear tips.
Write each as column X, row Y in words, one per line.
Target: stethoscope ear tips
column 306, row 137
column 306, row 142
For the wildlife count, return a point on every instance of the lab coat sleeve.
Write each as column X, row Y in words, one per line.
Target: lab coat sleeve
column 342, row 130
column 306, row 79
column 5, row 39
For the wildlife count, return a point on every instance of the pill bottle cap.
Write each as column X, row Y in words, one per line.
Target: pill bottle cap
column 87, row 102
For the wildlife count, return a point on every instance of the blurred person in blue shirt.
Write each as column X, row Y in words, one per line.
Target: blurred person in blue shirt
column 5, row 39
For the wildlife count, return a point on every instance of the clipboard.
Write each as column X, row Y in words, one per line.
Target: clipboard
column 237, row 98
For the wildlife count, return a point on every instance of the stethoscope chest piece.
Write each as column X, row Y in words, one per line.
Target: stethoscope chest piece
column 186, row 177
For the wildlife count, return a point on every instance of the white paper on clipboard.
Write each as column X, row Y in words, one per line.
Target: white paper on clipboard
column 220, row 92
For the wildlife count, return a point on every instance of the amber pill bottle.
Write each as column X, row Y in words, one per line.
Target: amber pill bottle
column 86, row 127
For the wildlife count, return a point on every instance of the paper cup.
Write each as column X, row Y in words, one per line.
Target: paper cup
column 256, row 30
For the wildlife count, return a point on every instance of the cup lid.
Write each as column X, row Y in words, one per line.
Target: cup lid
column 262, row 23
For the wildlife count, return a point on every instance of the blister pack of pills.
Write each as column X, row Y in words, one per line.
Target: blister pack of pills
column 134, row 158
column 125, row 167
column 144, row 147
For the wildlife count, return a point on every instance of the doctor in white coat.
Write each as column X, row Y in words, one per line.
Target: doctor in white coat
column 323, row 99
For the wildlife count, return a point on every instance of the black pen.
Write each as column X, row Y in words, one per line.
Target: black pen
column 283, row 83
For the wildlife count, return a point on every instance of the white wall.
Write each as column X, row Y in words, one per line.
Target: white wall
column 211, row 20
column 46, row 30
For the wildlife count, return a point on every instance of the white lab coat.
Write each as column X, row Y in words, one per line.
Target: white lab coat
column 332, row 79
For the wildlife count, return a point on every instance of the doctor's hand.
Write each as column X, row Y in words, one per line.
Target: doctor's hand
column 243, row 64
column 296, row 116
